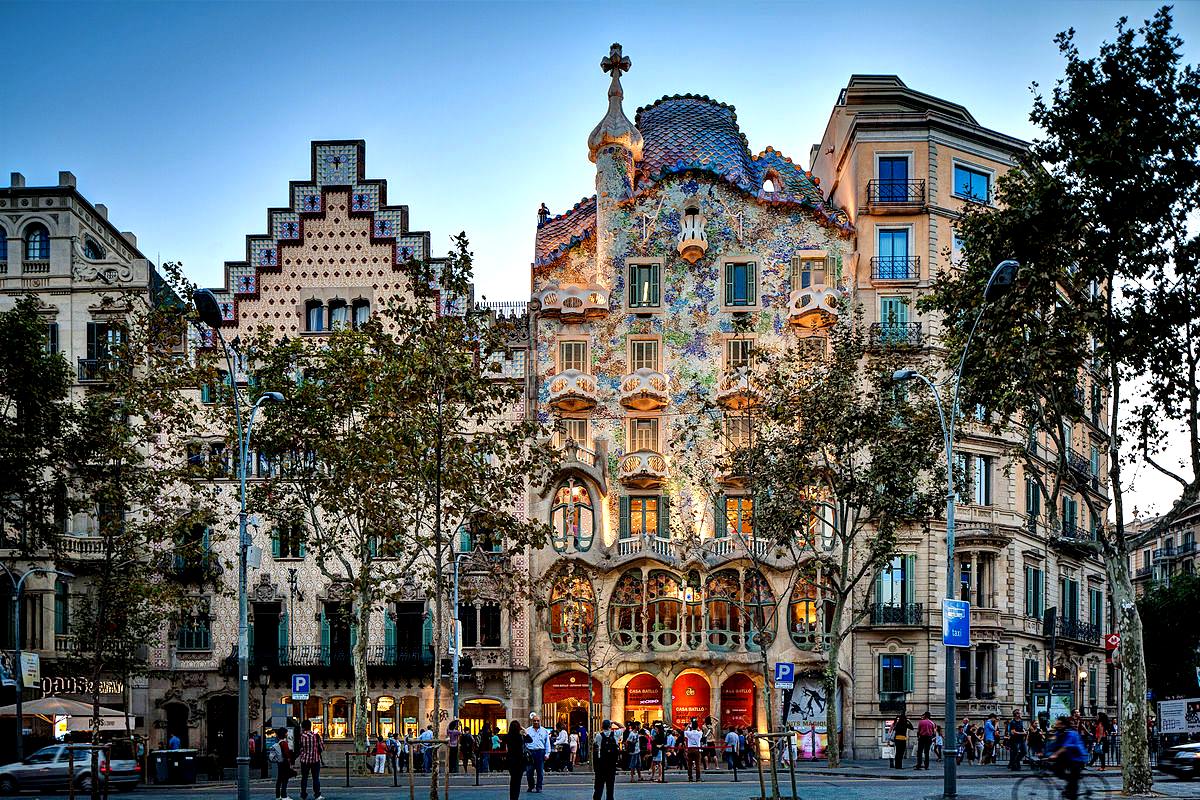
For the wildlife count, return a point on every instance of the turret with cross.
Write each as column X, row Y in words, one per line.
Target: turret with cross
column 615, row 128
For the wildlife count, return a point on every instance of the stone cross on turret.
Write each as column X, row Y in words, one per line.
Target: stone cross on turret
column 614, row 63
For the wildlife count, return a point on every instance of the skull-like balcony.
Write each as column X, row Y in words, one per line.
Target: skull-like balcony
column 573, row 302
column 815, row 306
column 693, row 241
column 643, row 469
column 736, row 391
column 645, row 389
column 572, row 390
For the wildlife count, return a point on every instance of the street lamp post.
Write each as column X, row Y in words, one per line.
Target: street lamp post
column 209, row 311
column 264, row 682
column 20, row 673
column 1001, row 279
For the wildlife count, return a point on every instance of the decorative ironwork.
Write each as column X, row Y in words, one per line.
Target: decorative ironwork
column 896, row 334
column 895, row 268
column 895, row 192
column 897, row 614
column 1078, row 631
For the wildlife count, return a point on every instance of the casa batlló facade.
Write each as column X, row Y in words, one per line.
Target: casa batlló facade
column 647, row 300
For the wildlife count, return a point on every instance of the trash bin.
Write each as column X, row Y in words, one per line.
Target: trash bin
column 177, row 767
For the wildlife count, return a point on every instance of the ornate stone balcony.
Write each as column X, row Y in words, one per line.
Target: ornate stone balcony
column 736, row 391
column 815, row 306
column 572, row 390
column 645, row 389
column 643, row 469
column 693, row 241
column 573, row 302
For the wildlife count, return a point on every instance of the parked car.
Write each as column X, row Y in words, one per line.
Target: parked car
column 48, row 769
column 1183, row 761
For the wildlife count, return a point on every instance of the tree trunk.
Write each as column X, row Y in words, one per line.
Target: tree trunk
column 1135, row 752
column 833, row 752
column 358, row 655
column 437, row 681
column 770, row 701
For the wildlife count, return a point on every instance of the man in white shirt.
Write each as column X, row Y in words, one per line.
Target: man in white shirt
column 731, row 748
column 694, row 737
column 426, row 750
column 539, row 745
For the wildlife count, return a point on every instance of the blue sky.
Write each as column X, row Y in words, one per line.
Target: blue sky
column 188, row 119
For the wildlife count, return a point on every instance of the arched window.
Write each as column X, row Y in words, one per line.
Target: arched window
column 722, row 592
column 314, row 316
column 572, row 518
column 664, row 609
column 385, row 716
column 37, row 242
column 339, row 315
column 572, row 613
column 760, row 605
column 362, row 312
column 626, row 622
column 3, row 248
column 92, row 249
column 341, row 718
column 806, row 624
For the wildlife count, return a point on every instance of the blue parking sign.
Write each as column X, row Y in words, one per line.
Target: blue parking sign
column 300, row 686
column 956, row 623
column 785, row 674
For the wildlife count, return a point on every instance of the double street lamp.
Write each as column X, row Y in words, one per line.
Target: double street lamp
column 1001, row 279
column 209, row 311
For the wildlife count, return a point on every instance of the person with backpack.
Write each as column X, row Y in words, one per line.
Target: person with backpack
column 281, row 756
column 604, row 761
column 515, row 741
column 311, row 748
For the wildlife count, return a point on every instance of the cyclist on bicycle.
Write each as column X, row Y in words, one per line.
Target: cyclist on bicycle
column 1069, row 755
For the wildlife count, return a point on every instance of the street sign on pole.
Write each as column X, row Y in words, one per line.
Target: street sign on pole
column 785, row 674
column 956, row 623
column 300, row 686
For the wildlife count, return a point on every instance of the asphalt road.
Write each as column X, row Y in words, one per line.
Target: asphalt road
column 579, row 787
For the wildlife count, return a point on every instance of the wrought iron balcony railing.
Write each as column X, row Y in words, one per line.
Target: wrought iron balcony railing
column 897, row 614
column 896, row 334
column 895, row 192
column 895, row 268
column 1078, row 631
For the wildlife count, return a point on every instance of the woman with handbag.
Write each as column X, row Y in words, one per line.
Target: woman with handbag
column 514, row 743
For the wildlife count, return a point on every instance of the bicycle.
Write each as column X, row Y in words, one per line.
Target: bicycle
column 1045, row 784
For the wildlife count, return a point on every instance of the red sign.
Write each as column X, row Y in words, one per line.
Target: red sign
column 570, row 685
column 643, row 690
column 1112, row 641
column 737, row 701
column 689, row 698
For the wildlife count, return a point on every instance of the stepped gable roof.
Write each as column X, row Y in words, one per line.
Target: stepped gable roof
column 557, row 235
column 694, row 132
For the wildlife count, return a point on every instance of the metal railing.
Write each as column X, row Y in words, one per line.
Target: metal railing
column 1079, row 464
column 1076, row 533
column 1079, row 631
column 897, row 614
column 97, row 369
column 1142, row 572
column 379, row 655
column 895, row 268
column 896, row 334
column 1164, row 553
column 895, row 192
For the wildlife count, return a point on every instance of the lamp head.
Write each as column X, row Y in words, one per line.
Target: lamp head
column 1002, row 279
column 207, row 307
column 901, row 375
column 274, row 397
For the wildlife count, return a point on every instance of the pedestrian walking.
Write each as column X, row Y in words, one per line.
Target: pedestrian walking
column 939, row 743
column 312, row 746
column 926, row 731
column 605, row 756
column 732, row 751
column 1069, row 756
column 900, row 731
column 426, row 745
column 1017, row 740
column 989, row 740
column 694, row 739
column 484, row 748
column 380, row 755
column 281, row 756
column 515, row 742
column 1100, row 741
column 538, row 745
column 573, row 746
column 453, row 735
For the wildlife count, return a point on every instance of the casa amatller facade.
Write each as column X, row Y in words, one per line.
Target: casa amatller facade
column 646, row 300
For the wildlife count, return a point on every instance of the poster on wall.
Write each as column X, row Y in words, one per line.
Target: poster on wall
column 689, row 700
column 807, row 705
column 738, row 694
column 1179, row 716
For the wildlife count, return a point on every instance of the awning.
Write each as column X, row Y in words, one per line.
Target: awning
column 50, row 707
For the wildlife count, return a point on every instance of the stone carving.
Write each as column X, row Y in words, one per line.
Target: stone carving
column 265, row 591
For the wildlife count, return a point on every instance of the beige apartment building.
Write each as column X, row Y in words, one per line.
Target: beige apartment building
column 1157, row 558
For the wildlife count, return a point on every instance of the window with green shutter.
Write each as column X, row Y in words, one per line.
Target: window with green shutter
column 741, row 284
column 664, row 517
column 644, row 285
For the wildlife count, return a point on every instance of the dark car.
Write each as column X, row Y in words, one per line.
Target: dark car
column 1183, row 762
column 48, row 769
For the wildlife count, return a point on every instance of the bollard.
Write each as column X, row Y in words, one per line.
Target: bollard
column 347, row 770
column 762, row 784
column 412, row 794
column 792, row 764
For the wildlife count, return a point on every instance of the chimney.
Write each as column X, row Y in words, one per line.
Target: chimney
column 18, row 180
column 129, row 237
column 66, row 178
column 102, row 210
